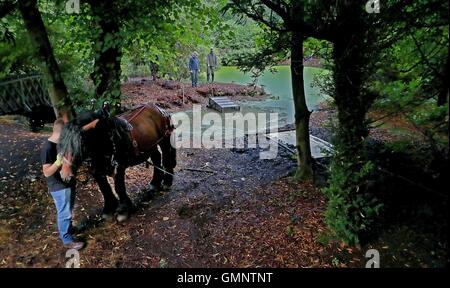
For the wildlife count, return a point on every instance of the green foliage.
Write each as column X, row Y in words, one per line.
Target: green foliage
column 165, row 32
column 351, row 207
column 169, row 43
column 320, row 49
column 410, row 82
column 72, row 47
column 240, row 42
column 71, row 44
column 16, row 58
column 398, row 146
column 399, row 65
column 258, row 39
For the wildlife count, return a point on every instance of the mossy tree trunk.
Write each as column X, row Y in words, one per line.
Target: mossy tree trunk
column 351, row 206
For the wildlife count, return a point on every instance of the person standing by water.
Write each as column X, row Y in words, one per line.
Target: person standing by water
column 63, row 193
column 211, row 65
column 194, row 68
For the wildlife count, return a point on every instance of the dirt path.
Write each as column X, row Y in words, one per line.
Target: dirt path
column 189, row 226
column 248, row 213
column 245, row 214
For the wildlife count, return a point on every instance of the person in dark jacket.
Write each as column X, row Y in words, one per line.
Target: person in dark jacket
column 63, row 193
column 194, row 68
column 211, row 65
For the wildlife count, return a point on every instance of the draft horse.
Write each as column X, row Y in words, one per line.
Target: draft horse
column 112, row 144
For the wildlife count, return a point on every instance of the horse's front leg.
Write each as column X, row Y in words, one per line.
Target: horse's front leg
column 158, row 175
column 125, row 205
column 111, row 203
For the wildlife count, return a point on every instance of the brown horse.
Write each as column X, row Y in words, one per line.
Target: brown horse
column 111, row 144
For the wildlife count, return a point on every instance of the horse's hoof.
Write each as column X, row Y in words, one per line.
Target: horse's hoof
column 107, row 217
column 122, row 217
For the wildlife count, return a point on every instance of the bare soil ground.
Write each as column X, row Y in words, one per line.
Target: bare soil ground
column 176, row 96
column 247, row 213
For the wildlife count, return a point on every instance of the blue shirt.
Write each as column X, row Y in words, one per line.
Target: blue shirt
column 194, row 63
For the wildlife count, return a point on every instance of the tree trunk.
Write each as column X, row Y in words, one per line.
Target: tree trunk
column 302, row 114
column 351, row 104
column 36, row 28
column 352, row 207
column 108, row 53
column 443, row 94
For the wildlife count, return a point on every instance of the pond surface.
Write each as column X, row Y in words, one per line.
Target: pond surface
column 280, row 101
column 279, row 85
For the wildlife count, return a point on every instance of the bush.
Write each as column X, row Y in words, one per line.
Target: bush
column 352, row 208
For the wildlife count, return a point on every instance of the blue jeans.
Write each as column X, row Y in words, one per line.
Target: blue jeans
column 64, row 200
column 194, row 78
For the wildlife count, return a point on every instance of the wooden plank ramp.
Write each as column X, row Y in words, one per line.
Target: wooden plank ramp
column 223, row 104
column 319, row 147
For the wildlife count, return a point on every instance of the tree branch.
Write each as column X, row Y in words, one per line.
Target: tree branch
column 7, row 7
column 254, row 15
column 277, row 8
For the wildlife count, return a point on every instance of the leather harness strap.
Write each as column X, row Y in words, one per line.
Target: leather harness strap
column 131, row 115
column 134, row 113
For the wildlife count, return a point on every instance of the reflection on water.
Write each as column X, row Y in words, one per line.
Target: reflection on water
column 280, row 101
column 277, row 84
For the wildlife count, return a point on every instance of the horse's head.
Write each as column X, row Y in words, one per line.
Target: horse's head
column 72, row 143
column 90, row 135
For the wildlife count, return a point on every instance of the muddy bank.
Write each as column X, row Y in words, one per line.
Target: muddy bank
column 177, row 96
column 319, row 124
column 324, row 117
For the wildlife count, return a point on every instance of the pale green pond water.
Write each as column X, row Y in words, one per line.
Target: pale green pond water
column 280, row 100
column 277, row 84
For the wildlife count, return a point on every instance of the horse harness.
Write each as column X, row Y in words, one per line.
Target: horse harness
column 129, row 116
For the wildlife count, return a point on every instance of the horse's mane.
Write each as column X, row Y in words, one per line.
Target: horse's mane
column 71, row 139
